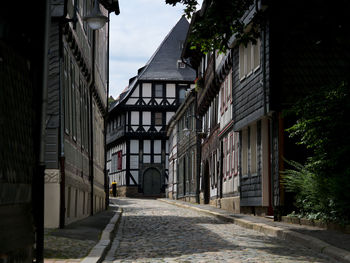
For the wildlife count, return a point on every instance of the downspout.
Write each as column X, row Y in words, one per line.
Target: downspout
column 91, row 88
column 105, row 123
column 199, row 152
column 61, row 131
column 41, row 163
column 270, row 208
column 271, row 119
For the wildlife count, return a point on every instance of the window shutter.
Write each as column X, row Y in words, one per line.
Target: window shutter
column 120, row 159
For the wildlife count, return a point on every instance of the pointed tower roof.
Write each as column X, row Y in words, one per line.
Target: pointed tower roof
column 163, row 65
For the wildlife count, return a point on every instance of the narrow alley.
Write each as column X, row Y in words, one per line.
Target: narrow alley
column 153, row 231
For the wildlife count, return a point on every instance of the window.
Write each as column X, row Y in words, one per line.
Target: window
column 236, row 152
column 249, row 58
column 245, row 152
column 253, row 148
column 68, row 202
column 73, row 100
column 216, row 167
column 231, row 153
column 158, row 90
column 193, row 165
column 256, row 54
column 66, row 92
column 158, row 118
column 212, row 170
column 228, row 156
column 224, row 158
column 226, row 92
column 182, row 92
column 181, row 64
column 222, row 106
column 229, row 86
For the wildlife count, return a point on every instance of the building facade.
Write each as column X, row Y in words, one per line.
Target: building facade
column 184, row 168
column 171, row 190
column 137, row 144
column 235, row 172
column 23, row 63
column 77, row 104
column 245, row 93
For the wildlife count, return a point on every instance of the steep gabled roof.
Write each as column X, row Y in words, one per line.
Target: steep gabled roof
column 163, row 63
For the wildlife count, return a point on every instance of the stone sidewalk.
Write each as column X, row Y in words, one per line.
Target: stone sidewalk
column 83, row 241
column 332, row 243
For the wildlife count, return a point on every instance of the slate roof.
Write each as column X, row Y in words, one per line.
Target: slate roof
column 163, row 63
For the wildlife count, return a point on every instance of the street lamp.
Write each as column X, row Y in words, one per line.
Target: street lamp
column 96, row 20
column 186, row 131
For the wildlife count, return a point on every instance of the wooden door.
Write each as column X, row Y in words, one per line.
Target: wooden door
column 151, row 182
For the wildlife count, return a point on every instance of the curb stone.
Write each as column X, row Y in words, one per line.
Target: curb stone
column 284, row 234
column 99, row 251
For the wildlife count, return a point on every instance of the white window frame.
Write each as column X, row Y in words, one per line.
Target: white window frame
column 249, row 59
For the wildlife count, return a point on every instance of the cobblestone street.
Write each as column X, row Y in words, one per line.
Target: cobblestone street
column 153, row 231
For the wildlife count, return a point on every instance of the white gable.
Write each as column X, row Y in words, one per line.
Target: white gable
column 131, row 101
column 135, row 93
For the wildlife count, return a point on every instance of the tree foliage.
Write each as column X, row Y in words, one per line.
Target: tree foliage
column 219, row 20
column 322, row 185
column 110, row 100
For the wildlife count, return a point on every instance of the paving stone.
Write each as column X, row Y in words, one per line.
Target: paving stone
column 153, row 231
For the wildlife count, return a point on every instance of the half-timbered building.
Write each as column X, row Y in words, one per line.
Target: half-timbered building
column 137, row 157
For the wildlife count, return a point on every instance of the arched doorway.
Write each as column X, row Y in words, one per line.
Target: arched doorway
column 206, row 183
column 151, row 182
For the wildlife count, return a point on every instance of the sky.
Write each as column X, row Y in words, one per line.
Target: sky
column 135, row 35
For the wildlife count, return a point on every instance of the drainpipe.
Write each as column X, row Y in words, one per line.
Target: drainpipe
column 105, row 122
column 270, row 121
column 272, row 160
column 199, row 152
column 91, row 88
column 62, row 215
column 40, row 187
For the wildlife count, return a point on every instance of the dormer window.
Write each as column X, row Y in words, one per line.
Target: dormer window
column 181, row 64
